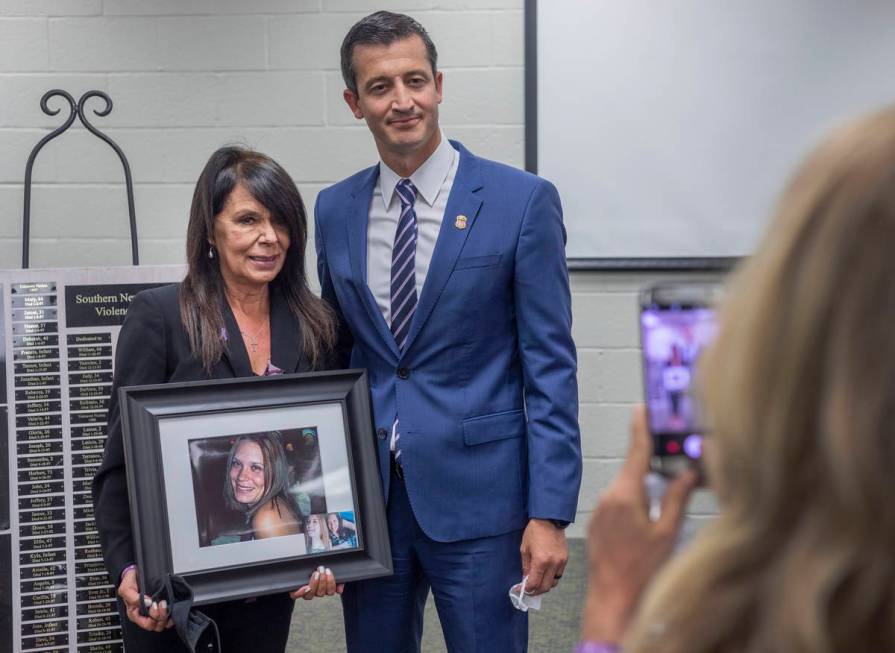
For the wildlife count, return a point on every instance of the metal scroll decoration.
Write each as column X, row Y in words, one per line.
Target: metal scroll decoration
column 77, row 110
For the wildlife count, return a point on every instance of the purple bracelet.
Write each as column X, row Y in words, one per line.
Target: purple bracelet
column 124, row 571
column 597, row 647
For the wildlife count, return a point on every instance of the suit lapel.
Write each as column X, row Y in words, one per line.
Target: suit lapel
column 462, row 201
column 286, row 349
column 356, row 224
column 234, row 350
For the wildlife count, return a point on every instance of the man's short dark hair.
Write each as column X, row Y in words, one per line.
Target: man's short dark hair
column 381, row 28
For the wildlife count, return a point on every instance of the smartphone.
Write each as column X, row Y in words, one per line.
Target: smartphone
column 677, row 323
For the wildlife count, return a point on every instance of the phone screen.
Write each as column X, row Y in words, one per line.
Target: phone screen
column 673, row 337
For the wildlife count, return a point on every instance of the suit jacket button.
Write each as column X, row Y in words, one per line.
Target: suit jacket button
column 381, row 433
column 403, row 373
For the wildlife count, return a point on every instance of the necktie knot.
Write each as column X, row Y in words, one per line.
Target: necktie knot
column 406, row 192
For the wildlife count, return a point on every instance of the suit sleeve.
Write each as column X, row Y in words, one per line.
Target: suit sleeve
column 344, row 341
column 139, row 359
column 549, row 362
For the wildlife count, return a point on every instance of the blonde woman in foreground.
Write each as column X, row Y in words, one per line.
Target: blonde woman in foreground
column 799, row 390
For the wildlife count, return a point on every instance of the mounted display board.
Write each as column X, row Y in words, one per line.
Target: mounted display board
column 59, row 331
column 671, row 127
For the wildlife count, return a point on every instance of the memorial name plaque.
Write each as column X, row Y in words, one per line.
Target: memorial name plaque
column 59, row 332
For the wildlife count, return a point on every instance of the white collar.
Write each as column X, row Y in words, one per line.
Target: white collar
column 428, row 178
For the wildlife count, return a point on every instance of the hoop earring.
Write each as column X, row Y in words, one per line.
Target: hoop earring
column 211, row 252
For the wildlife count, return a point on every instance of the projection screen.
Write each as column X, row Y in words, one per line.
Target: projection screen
column 671, row 127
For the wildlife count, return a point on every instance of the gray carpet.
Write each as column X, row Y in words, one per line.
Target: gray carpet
column 317, row 625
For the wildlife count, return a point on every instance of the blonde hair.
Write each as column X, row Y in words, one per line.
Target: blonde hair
column 799, row 391
column 320, row 519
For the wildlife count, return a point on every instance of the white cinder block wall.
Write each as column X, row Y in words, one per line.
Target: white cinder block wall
column 187, row 76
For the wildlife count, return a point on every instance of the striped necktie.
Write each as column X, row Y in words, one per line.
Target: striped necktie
column 403, row 289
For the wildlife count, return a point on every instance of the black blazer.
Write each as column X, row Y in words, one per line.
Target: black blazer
column 153, row 348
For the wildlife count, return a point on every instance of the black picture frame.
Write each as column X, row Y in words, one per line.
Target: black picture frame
column 148, row 414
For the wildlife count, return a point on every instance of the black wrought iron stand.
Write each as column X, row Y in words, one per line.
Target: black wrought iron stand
column 76, row 110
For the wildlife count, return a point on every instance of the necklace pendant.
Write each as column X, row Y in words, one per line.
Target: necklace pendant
column 252, row 340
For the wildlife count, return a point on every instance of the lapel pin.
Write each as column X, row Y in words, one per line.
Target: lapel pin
column 460, row 222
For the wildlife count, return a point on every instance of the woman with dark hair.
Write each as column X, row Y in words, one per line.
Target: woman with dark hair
column 342, row 533
column 258, row 486
column 243, row 309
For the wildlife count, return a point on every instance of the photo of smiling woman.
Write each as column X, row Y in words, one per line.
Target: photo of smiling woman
column 342, row 531
column 316, row 534
column 254, row 486
column 257, row 485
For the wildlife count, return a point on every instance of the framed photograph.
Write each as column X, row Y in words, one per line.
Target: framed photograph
column 244, row 486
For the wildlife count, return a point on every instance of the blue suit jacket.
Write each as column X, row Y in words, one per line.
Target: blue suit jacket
column 485, row 387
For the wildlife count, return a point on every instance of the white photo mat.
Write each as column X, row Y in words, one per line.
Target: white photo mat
column 174, row 436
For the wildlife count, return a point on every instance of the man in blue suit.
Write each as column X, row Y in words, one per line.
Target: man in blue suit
column 448, row 272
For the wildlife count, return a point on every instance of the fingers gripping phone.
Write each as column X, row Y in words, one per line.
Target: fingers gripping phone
column 677, row 322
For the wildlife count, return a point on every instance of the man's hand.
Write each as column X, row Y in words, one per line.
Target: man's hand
column 321, row 583
column 544, row 555
column 129, row 592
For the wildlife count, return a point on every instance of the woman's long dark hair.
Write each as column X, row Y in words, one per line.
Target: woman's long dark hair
column 202, row 291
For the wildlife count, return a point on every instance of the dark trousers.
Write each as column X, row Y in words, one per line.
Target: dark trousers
column 470, row 580
column 259, row 625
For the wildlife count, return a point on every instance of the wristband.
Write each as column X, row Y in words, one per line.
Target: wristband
column 124, row 571
column 597, row 647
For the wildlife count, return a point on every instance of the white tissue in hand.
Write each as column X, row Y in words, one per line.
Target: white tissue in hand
column 523, row 601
